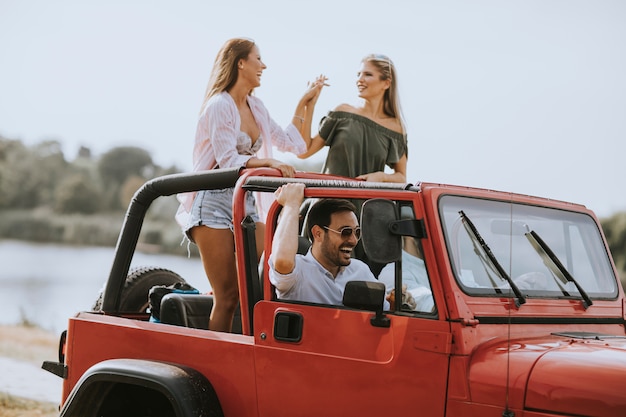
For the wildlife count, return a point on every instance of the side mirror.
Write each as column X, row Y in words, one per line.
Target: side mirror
column 364, row 295
column 367, row 295
column 379, row 243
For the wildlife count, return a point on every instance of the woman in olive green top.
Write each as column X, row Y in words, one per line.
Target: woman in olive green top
column 363, row 139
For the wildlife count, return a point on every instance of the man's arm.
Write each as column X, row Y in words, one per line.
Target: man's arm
column 285, row 242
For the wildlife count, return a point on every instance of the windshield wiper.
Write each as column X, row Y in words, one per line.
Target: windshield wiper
column 520, row 299
column 555, row 265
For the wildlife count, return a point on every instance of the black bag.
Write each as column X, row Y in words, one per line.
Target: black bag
column 159, row 291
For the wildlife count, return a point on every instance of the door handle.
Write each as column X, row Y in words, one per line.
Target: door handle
column 288, row 326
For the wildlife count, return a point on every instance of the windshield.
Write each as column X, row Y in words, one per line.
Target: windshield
column 506, row 229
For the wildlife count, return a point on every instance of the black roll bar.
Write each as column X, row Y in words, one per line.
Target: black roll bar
column 141, row 201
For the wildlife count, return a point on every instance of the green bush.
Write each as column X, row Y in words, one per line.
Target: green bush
column 614, row 228
column 76, row 194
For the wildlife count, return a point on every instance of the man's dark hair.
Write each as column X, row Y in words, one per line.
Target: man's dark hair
column 320, row 212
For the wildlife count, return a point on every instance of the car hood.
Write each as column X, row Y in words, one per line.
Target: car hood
column 572, row 374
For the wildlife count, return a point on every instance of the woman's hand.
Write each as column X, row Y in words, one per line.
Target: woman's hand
column 314, row 89
column 378, row 176
column 303, row 115
column 287, row 170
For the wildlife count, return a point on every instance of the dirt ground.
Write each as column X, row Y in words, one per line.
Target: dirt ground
column 29, row 345
column 22, row 407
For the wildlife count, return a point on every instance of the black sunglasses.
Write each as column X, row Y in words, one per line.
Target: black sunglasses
column 347, row 231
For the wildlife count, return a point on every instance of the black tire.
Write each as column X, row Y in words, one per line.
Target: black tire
column 138, row 283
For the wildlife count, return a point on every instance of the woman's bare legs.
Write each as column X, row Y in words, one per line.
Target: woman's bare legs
column 217, row 251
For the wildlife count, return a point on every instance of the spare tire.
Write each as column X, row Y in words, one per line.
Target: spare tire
column 138, row 283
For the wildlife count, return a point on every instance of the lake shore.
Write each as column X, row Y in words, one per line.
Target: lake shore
column 64, row 280
column 26, row 390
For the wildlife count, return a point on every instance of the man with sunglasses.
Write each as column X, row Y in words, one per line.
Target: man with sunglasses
column 321, row 275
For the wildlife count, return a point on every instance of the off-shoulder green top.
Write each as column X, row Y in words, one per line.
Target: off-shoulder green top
column 358, row 145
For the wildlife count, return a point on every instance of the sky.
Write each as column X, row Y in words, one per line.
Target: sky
column 522, row 96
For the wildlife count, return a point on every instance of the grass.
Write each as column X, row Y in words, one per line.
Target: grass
column 11, row 406
column 30, row 344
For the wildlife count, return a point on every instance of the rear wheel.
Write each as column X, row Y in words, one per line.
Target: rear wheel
column 137, row 286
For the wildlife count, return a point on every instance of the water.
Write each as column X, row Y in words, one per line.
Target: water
column 48, row 283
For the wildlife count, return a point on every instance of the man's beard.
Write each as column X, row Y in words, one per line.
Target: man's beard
column 335, row 255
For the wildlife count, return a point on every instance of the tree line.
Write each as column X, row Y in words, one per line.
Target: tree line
column 41, row 176
column 46, row 197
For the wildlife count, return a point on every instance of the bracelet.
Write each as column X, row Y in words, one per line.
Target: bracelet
column 299, row 118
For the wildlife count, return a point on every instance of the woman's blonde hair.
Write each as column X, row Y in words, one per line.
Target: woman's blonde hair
column 391, row 99
column 224, row 72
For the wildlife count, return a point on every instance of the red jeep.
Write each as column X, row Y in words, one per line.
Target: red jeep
column 511, row 307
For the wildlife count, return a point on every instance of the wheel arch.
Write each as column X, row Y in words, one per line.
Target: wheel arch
column 188, row 392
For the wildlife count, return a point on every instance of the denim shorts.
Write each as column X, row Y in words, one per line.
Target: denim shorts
column 214, row 208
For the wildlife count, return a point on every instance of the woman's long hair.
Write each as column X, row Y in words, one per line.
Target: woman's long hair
column 224, row 71
column 391, row 99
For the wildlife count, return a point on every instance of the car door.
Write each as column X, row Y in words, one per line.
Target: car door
column 314, row 360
